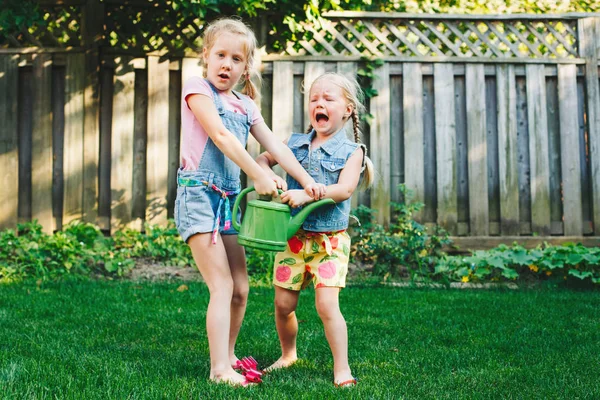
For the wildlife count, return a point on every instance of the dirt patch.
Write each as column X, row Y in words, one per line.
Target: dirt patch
column 153, row 271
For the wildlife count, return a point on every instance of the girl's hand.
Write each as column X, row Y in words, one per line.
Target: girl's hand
column 316, row 190
column 280, row 182
column 296, row 198
column 266, row 186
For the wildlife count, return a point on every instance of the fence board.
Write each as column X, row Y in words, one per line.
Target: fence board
column 445, row 141
column 524, row 167
column 491, row 121
column 91, row 136
column 380, row 140
column 584, row 158
column 477, row 145
column 429, row 212
column 507, row 150
column 158, row 140
column 140, row 147
column 538, row 149
column 569, row 143
column 312, row 70
column 9, row 152
column 41, row 152
column 554, row 146
column 396, row 138
column 174, row 130
column 74, row 138
column 462, row 190
column 121, row 170
column 58, row 131
column 412, row 95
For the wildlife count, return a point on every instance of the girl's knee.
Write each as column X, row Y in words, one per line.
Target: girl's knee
column 284, row 306
column 240, row 295
column 327, row 310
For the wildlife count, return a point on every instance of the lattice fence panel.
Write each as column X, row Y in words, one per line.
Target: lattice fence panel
column 61, row 28
column 439, row 38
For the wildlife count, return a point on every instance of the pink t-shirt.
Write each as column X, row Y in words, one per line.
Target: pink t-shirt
column 194, row 137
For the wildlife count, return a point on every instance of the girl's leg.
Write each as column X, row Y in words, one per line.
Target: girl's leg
column 286, row 323
column 328, row 307
column 237, row 264
column 211, row 260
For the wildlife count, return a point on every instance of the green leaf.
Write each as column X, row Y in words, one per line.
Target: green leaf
column 346, row 250
column 574, row 259
column 510, row 273
column 315, row 247
column 288, row 261
column 297, row 278
column 309, row 258
column 580, row 274
column 328, row 257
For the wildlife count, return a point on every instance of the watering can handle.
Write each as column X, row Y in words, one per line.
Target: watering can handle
column 237, row 204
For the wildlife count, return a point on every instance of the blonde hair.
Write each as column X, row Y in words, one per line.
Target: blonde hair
column 237, row 27
column 354, row 95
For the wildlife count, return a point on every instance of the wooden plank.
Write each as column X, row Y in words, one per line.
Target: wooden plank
column 569, row 146
column 589, row 29
column 585, row 162
column 554, row 159
column 283, row 104
column 445, row 145
column 25, row 138
column 74, row 138
column 41, row 152
column 524, row 167
column 121, row 170
column 9, row 151
column 140, row 148
column 462, row 155
column 380, row 140
column 158, row 140
column 312, row 70
column 174, row 145
column 507, row 150
column 477, row 145
column 91, row 136
column 491, row 121
column 396, row 138
column 429, row 211
column 414, row 168
column 105, row 151
column 58, row 133
column 538, row 149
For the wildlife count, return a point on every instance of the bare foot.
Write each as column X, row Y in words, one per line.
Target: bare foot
column 344, row 379
column 231, row 378
column 281, row 363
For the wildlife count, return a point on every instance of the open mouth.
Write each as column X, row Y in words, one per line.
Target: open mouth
column 320, row 117
column 224, row 76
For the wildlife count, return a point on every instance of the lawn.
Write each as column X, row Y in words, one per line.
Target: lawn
column 117, row 340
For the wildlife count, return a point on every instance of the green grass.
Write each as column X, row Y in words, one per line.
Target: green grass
column 117, row 340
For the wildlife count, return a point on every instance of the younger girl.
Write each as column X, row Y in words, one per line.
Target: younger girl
column 215, row 122
column 319, row 252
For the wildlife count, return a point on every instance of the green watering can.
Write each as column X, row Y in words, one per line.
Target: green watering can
column 268, row 225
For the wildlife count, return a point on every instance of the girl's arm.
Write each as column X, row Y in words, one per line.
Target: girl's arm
column 347, row 183
column 207, row 115
column 279, row 153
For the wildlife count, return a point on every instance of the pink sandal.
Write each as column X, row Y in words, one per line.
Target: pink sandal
column 249, row 368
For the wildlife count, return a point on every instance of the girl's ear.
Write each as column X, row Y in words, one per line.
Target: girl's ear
column 204, row 55
column 349, row 109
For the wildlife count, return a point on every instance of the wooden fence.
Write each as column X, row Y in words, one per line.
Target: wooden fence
column 492, row 121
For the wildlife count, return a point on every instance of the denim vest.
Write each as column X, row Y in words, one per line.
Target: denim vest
column 324, row 164
column 215, row 168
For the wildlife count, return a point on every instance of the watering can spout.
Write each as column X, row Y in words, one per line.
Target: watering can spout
column 297, row 221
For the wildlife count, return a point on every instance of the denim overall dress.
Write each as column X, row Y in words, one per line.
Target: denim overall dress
column 205, row 196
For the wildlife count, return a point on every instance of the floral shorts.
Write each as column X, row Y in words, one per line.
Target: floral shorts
column 313, row 256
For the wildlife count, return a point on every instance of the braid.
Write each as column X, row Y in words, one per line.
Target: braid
column 356, row 126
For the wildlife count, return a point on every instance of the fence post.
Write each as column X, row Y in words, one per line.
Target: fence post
column 92, row 24
column 588, row 30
